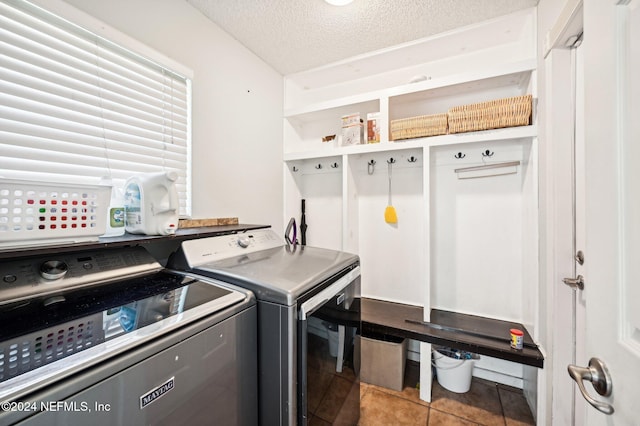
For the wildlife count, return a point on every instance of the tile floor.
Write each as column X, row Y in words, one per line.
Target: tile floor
column 486, row 404
column 332, row 397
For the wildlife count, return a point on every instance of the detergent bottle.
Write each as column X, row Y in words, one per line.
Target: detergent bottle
column 115, row 214
column 151, row 204
column 115, row 210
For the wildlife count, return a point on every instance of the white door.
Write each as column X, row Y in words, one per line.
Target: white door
column 612, row 212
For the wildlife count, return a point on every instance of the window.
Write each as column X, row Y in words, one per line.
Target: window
column 75, row 107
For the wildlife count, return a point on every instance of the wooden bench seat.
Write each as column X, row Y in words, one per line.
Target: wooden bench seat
column 481, row 335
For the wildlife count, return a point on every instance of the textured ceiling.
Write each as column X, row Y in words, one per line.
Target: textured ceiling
column 297, row 35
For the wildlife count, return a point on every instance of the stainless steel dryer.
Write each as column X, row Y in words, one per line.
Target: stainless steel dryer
column 110, row 337
column 308, row 314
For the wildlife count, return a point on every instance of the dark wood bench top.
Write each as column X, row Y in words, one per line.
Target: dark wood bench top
column 476, row 334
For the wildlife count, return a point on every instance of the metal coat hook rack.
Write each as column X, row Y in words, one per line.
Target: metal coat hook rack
column 487, row 169
column 372, row 163
column 505, row 168
column 459, row 156
column 488, row 166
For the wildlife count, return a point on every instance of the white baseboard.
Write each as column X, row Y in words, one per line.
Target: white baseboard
column 499, row 371
column 498, row 377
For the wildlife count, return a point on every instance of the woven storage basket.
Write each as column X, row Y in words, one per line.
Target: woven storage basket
column 507, row 112
column 420, row 126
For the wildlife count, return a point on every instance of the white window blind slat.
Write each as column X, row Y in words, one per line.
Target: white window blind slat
column 31, row 99
column 149, row 88
column 37, row 147
column 76, row 107
column 81, row 146
column 84, row 51
column 74, row 117
column 36, row 83
column 40, row 90
column 19, row 133
column 24, row 168
column 116, row 161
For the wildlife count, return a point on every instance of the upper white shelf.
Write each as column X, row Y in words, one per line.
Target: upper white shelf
column 494, row 135
column 511, row 74
column 334, row 109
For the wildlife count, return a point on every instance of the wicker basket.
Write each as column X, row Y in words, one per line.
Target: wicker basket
column 420, row 126
column 508, row 112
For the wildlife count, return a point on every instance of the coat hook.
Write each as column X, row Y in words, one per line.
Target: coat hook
column 371, row 166
column 459, row 156
column 488, row 153
column 412, row 159
column 334, row 166
column 319, row 166
column 391, row 161
column 295, row 169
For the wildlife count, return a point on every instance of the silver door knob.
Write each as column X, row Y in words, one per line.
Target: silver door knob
column 598, row 374
column 577, row 282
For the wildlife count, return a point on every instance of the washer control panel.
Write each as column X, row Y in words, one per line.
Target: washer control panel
column 41, row 275
column 205, row 250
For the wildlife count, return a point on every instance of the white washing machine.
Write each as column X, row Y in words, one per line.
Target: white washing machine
column 296, row 287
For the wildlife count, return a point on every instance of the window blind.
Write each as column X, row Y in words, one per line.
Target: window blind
column 77, row 108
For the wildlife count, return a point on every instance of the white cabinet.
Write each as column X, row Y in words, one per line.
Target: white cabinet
column 305, row 127
column 466, row 245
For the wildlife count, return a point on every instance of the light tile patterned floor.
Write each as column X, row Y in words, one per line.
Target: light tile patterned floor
column 486, row 404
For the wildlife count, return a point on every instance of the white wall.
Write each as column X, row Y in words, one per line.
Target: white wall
column 237, row 105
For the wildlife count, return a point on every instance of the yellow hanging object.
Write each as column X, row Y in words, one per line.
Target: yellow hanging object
column 390, row 215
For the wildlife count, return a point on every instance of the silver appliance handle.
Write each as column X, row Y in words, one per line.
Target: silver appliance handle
column 311, row 305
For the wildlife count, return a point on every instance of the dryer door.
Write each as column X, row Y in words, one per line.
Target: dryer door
column 328, row 384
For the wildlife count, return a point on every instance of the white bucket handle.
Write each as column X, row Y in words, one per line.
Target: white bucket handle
column 450, row 367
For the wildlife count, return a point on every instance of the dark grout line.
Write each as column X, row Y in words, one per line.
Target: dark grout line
column 504, row 417
column 399, row 395
column 457, row 417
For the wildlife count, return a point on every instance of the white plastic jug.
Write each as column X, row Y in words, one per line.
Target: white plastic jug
column 151, row 204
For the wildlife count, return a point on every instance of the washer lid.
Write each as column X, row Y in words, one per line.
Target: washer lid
column 281, row 274
column 50, row 337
